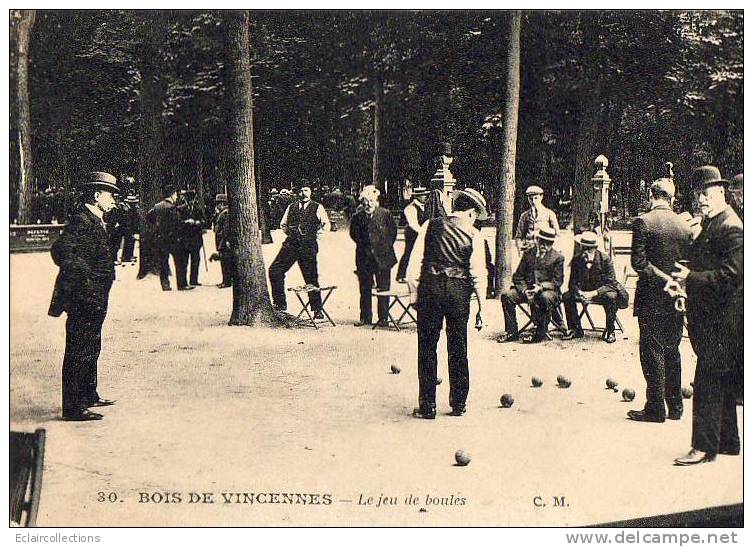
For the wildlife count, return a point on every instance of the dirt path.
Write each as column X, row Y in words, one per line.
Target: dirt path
column 207, row 408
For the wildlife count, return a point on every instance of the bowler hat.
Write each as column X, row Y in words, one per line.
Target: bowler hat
column 220, row 198
column 587, row 240
column 132, row 198
column 546, row 233
column 534, row 190
column 419, row 191
column 445, row 148
column 102, row 181
column 706, row 176
column 476, row 198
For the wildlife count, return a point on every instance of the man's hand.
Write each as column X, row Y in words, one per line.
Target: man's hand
column 479, row 320
column 674, row 289
column 680, row 274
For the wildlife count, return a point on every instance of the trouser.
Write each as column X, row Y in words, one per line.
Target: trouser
column 193, row 257
column 714, row 410
column 542, row 307
column 607, row 298
column 113, row 240
column 129, row 244
column 290, row 253
column 366, row 277
column 442, row 298
column 83, row 343
column 179, row 260
column 226, row 265
column 410, row 241
column 659, row 343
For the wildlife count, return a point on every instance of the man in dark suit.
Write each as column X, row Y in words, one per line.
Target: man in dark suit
column 168, row 229
column 660, row 238
column 713, row 284
column 192, row 238
column 222, row 241
column 537, row 280
column 374, row 231
column 82, row 289
column 592, row 280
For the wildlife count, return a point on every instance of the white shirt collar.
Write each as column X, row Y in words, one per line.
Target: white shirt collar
column 96, row 211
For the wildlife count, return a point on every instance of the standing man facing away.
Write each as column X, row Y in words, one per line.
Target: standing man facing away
column 168, row 228
column 660, row 239
column 534, row 219
column 82, row 290
column 446, row 267
column 714, row 286
column 374, row 231
column 222, row 241
column 303, row 222
column 414, row 214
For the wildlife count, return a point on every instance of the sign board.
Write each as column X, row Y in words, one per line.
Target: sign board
column 28, row 238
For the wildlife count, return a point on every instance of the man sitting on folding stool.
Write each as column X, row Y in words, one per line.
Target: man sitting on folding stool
column 592, row 281
column 537, row 280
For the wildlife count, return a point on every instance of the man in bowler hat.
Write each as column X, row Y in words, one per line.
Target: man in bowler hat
column 537, row 280
column 713, row 283
column 446, row 268
column 82, row 290
column 660, row 239
column 592, row 280
column 374, row 231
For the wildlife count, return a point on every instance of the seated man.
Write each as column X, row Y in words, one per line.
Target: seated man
column 537, row 280
column 592, row 279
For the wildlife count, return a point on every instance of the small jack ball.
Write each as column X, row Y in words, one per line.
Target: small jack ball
column 628, row 394
column 461, row 458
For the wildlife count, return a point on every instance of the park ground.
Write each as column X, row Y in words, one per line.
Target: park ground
column 207, row 408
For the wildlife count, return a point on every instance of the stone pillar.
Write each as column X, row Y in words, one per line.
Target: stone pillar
column 442, row 178
column 601, row 182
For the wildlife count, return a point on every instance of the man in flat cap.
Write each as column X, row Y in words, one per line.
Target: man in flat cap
column 537, row 280
column 536, row 217
column 445, row 269
column 82, row 290
column 303, row 222
column 713, row 282
column 414, row 214
column 374, row 231
column 592, row 280
column 660, row 239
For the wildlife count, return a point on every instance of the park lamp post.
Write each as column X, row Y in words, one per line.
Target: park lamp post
column 601, row 182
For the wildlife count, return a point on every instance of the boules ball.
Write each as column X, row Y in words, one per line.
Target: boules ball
column 394, row 369
column 628, row 394
column 611, row 384
column 506, row 400
column 536, row 382
column 562, row 381
column 687, row 392
column 461, row 458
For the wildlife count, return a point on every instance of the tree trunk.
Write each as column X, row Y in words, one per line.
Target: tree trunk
column 153, row 90
column 24, row 25
column 506, row 199
column 376, row 159
column 251, row 302
column 584, row 160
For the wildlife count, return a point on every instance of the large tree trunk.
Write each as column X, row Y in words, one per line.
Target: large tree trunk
column 153, row 90
column 25, row 21
column 377, row 158
column 251, row 302
column 506, row 199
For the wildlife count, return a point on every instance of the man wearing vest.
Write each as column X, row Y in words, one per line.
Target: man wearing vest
column 414, row 214
column 660, row 238
column 537, row 280
column 82, row 289
column 303, row 222
column 446, row 267
column 534, row 219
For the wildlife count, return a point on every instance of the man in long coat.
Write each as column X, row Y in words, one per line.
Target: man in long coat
column 714, row 286
column 82, row 290
column 374, row 231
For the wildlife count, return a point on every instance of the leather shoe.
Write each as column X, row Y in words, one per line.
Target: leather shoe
column 569, row 335
column 508, row 337
column 362, row 324
column 730, row 452
column 424, row 413
column 457, row 411
column 186, row 288
column 643, row 416
column 318, row 315
column 101, row 402
column 166, row 289
column 535, row 339
column 695, row 456
column 382, row 323
column 82, row 415
column 223, row 285
column 610, row 337
column 674, row 415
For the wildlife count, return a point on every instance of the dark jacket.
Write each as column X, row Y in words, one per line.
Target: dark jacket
column 374, row 238
column 715, row 291
column 600, row 277
column 86, row 267
column 547, row 271
column 222, row 232
column 167, row 223
column 660, row 238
